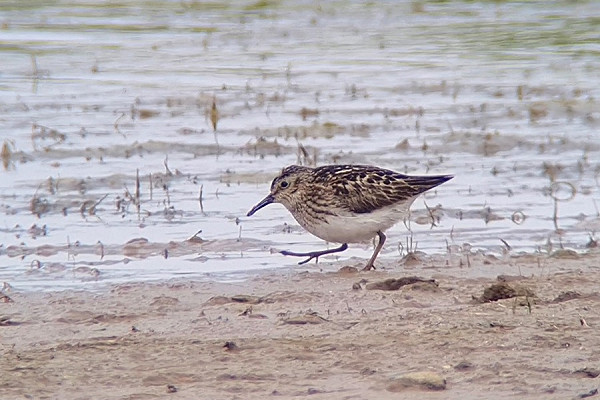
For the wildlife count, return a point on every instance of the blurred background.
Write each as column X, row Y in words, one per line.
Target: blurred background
column 137, row 134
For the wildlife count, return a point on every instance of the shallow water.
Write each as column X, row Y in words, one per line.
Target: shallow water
column 502, row 95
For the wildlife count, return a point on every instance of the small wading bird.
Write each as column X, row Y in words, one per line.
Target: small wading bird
column 346, row 203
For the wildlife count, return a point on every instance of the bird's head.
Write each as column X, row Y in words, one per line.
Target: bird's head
column 284, row 188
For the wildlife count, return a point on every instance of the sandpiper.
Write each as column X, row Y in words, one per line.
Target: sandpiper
column 346, row 203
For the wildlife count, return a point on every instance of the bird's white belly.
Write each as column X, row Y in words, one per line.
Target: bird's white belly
column 355, row 228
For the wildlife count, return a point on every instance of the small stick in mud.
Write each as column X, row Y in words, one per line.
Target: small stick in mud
column 166, row 163
column 200, row 199
column 137, row 190
column 101, row 250
column 302, row 155
column 116, row 124
column 214, row 114
column 468, row 260
column 92, row 209
column 35, row 70
column 431, row 215
column 554, row 189
column 166, row 189
column 214, row 119
column 195, row 237
column 6, row 154
column 555, row 213
column 596, row 207
column 128, row 194
column 410, row 248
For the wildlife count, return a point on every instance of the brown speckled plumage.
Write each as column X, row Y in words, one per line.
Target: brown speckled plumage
column 358, row 188
column 347, row 203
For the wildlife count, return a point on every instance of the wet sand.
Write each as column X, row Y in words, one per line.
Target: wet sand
column 321, row 331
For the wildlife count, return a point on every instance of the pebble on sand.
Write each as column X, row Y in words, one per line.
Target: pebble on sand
column 423, row 380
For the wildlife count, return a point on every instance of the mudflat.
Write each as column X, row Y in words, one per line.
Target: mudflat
column 418, row 328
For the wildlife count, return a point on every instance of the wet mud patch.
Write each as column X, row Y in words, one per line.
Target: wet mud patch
column 397, row 283
column 503, row 290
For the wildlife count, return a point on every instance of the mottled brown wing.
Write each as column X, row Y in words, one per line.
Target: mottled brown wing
column 363, row 189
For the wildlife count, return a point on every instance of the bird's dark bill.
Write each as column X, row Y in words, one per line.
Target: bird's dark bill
column 264, row 202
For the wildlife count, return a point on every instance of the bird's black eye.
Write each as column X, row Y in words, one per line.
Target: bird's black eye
column 284, row 184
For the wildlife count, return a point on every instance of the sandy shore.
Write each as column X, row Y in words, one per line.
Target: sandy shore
column 321, row 331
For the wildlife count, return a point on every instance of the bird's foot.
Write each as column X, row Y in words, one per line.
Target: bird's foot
column 369, row 267
column 314, row 254
column 311, row 255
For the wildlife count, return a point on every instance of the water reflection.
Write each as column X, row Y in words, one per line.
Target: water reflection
column 115, row 118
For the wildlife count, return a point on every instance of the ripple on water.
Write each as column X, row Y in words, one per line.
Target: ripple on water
column 111, row 164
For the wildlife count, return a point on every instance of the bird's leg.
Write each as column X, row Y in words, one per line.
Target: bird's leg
column 370, row 265
column 314, row 254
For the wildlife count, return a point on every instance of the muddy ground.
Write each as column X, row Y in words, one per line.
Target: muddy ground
column 323, row 331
